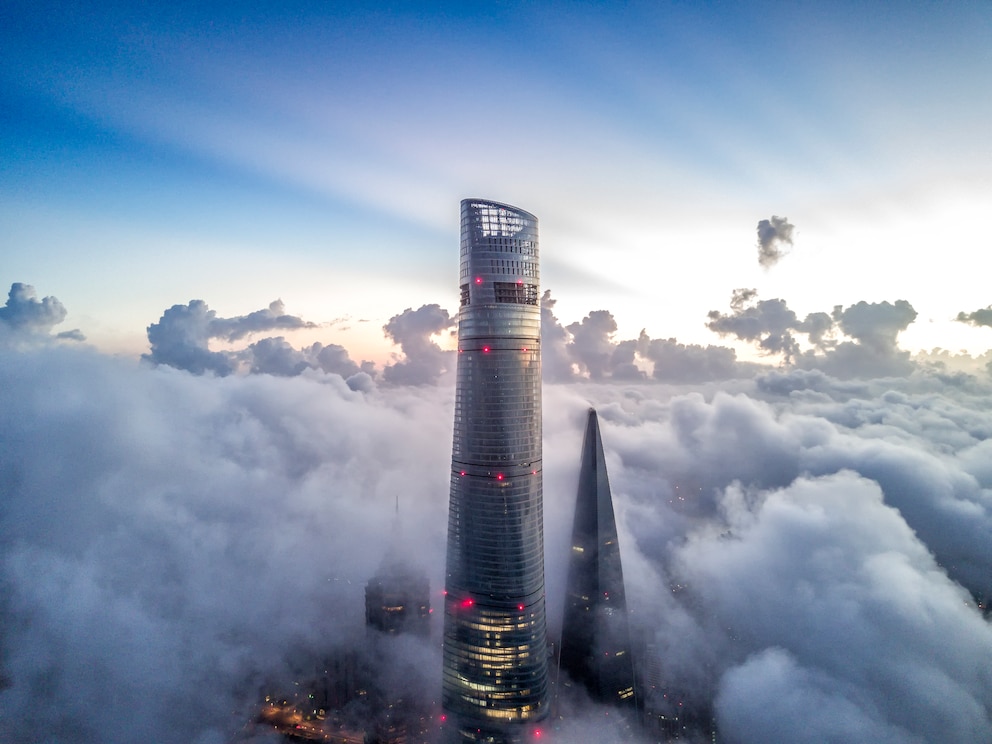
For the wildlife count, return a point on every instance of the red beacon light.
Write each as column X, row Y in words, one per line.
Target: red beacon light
column 468, row 602
column 485, row 349
column 499, row 476
column 478, row 280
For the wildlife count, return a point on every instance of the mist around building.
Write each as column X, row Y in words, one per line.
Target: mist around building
column 805, row 545
column 606, row 676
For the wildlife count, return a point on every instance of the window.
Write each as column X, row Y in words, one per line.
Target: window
column 516, row 292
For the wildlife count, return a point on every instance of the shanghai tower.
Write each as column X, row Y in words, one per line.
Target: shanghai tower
column 495, row 666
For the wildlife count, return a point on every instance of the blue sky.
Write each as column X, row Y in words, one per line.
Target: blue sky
column 239, row 153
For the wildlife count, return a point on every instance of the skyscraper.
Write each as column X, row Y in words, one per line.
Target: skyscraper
column 495, row 678
column 595, row 641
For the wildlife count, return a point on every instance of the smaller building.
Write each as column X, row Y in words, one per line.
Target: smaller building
column 397, row 600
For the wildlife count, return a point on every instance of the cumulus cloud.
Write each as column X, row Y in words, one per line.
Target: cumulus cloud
column 689, row 363
column 181, row 339
column 423, row 360
column 588, row 350
column 168, row 542
column 592, row 343
column 872, row 330
column 980, row 317
column 767, row 322
column 25, row 315
column 773, row 236
column 813, row 550
column 171, row 542
column 272, row 318
column 874, row 350
column 556, row 358
column 851, row 611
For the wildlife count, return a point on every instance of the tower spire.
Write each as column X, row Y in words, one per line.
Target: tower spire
column 595, row 644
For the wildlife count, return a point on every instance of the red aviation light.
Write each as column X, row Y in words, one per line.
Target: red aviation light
column 478, row 280
column 520, row 607
column 468, row 602
column 520, row 281
column 463, row 472
column 485, row 349
column 499, row 476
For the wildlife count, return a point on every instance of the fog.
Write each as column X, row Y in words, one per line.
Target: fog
column 804, row 549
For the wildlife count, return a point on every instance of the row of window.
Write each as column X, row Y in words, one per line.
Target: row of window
column 517, row 292
column 498, row 244
column 507, row 292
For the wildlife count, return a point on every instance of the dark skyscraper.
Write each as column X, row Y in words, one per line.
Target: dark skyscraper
column 595, row 643
column 495, row 679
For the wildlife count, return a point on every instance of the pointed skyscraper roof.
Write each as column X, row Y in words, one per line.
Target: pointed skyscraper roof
column 595, row 644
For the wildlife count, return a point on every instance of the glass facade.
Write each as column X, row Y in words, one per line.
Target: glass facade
column 495, row 640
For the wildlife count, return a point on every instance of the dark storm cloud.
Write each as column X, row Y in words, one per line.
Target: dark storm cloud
column 980, row 317
column 773, row 235
column 24, row 314
column 423, row 360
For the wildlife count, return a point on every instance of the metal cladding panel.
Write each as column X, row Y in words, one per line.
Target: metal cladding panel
column 495, row 637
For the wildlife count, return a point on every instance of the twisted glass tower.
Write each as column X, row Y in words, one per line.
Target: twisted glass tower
column 495, row 679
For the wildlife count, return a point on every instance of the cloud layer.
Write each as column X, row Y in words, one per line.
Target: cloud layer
column 805, row 554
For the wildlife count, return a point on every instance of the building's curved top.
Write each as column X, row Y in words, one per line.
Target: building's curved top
column 491, row 203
